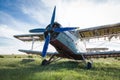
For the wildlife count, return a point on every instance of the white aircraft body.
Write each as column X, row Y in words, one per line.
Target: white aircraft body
column 68, row 41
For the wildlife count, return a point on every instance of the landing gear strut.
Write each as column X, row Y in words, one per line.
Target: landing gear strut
column 88, row 64
column 52, row 59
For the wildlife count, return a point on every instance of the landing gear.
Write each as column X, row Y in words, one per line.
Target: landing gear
column 89, row 65
column 52, row 59
column 45, row 62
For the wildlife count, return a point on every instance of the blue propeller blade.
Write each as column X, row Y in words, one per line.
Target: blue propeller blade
column 64, row 29
column 37, row 30
column 53, row 17
column 47, row 40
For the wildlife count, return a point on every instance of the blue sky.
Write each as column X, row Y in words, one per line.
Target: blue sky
column 19, row 16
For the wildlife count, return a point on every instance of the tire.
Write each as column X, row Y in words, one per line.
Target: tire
column 45, row 62
column 89, row 65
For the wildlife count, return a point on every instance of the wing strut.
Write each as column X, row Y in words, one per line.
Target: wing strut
column 33, row 41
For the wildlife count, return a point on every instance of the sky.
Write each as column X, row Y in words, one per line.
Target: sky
column 19, row 16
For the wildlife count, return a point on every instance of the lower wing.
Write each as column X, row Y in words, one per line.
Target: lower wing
column 36, row 52
column 79, row 56
column 102, row 54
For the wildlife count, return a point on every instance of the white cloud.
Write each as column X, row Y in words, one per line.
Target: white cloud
column 38, row 15
column 82, row 13
column 13, row 23
column 38, row 11
column 6, row 31
column 10, row 26
column 86, row 14
column 9, row 50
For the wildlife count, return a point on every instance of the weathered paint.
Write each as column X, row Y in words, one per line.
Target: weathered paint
column 67, row 39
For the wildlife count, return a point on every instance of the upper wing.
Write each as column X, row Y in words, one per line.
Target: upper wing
column 30, row 37
column 100, row 31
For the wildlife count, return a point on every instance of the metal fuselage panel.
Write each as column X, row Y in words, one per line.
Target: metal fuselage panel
column 68, row 44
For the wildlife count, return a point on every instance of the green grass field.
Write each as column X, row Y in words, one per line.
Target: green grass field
column 16, row 68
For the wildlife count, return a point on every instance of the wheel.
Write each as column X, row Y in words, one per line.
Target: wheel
column 89, row 65
column 45, row 62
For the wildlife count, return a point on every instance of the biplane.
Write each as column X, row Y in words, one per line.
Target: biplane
column 68, row 41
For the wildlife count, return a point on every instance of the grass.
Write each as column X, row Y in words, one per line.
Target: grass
column 25, row 68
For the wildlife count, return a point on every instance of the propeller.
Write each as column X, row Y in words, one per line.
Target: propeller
column 48, row 30
column 37, row 30
column 64, row 29
column 53, row 17
column 47, row 40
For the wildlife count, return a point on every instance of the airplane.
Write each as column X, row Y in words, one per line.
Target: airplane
column 68, row 41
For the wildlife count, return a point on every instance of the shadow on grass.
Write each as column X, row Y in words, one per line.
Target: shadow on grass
column 26, row 61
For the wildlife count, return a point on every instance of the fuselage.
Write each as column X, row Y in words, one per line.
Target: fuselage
column 66, row 43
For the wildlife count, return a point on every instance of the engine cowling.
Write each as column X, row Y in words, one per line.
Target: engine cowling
column 52, row 32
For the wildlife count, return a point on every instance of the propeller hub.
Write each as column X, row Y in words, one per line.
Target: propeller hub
column 50, row 29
